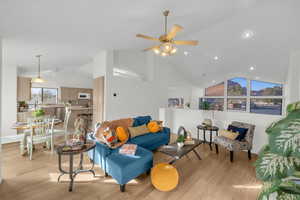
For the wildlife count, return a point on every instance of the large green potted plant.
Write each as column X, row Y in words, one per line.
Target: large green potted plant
column 278, row 164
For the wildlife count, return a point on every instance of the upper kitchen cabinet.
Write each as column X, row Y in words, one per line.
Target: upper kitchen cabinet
column 23, row 88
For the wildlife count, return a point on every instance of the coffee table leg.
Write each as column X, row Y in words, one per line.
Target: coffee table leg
column 198, row 156
column 172, row 161
column 71, row 173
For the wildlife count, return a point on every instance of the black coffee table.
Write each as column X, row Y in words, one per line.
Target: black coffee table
column 176, row 153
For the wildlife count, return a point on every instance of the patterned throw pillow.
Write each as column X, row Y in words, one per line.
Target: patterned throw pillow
column 110, row 138
column 228, row 134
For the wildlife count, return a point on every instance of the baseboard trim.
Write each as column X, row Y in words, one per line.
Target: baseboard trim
column 11, row 139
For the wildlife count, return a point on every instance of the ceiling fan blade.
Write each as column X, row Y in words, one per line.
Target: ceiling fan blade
column 152, row 48
column 174, row 31
column 185, row 42
column 147, row 37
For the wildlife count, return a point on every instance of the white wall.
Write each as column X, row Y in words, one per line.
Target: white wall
column 142, row 83
column 99, row 64
column 0, row 112
column 293, row 78
column 190, row 118
column 9, row 97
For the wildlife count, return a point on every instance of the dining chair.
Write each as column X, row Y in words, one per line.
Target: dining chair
column 64, row 131
column 41, row 132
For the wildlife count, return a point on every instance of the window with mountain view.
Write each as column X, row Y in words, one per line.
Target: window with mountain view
column 215, row 90
column 263, row 98
column 260, row 88
column 237, row 87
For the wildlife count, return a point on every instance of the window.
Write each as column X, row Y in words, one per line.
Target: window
column 237, row 104
column 216, row 90
column 36, row 95
column 266, row 106
column 44, row 95
column 244, row 95
column 259, row 88
column 237, row 87
column 211, row 104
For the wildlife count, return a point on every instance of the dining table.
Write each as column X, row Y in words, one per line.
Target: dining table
column 25, row 128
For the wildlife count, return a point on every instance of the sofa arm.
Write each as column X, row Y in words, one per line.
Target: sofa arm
column 101, row 152
column 167, row 131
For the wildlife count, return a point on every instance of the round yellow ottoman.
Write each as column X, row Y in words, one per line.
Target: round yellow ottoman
column 164, row 177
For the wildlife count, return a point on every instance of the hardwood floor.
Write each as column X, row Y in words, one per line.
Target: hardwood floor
column 214, row 177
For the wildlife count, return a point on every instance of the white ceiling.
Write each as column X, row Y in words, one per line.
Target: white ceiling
column 69, row 33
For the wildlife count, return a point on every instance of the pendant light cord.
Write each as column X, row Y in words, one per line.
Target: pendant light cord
column 39, row 69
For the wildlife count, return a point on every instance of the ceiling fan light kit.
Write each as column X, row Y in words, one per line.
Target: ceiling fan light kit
column 167, row 46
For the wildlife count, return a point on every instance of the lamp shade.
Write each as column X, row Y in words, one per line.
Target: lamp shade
column 37, row 80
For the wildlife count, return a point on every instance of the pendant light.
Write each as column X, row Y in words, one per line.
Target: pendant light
column 38, row 79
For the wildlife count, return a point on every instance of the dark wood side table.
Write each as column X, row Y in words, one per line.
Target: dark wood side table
column 73, row 172
column 211, row 129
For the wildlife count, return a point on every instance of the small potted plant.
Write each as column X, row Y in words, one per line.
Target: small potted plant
column 180, row 141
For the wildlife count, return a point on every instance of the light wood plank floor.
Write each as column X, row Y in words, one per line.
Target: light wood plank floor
column 214, row 177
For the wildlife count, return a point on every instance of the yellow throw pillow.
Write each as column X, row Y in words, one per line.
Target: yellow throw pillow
column 153, row 127
column 138, row 130
column 228, row 134
column 121, row 134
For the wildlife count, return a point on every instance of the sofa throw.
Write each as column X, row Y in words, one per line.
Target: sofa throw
column 138, row 130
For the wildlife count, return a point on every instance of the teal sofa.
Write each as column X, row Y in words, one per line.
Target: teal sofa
column 124, row 168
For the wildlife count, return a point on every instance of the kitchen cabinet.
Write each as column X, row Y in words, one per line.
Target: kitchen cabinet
column 23, row 89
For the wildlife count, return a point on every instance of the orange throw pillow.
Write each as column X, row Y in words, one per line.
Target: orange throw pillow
column 153, row 127
column 121, row 134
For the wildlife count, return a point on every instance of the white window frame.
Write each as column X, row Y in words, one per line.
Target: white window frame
column 248, row 96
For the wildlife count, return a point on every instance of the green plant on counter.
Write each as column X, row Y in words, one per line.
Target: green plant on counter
column 278, row 164
column 38, row 113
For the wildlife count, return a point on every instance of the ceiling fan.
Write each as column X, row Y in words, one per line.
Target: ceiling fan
column 167, row 46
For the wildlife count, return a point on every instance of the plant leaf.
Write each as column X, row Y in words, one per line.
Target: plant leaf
column 270, row 166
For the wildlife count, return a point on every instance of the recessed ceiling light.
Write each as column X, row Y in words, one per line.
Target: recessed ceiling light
column 213, row 81
column 186, row 53
column 216, row 58
column 251, row 68
column 247, row 34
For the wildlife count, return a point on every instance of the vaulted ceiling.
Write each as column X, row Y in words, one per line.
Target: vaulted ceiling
column 69, row 33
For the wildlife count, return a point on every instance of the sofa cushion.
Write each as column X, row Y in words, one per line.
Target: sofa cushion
column 141, row 120
column 124, row 168
column 151, row 141
column 138, row 130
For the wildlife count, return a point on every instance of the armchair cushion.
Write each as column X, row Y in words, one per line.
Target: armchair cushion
column 231, row 145
column 242, row 132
